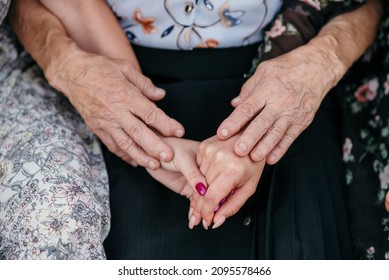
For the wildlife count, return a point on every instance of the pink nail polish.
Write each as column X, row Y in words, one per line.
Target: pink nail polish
column 201, row 189
column 223, row 200
column 233, row 191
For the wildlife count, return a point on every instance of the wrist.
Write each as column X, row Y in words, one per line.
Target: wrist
column 57, row 64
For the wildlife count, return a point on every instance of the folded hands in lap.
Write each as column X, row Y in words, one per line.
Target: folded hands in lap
column 216, row 180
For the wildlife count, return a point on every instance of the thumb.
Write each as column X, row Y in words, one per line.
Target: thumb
column 188, row 167
column 246, row 90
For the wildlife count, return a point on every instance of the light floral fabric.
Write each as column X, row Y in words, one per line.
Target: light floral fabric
column 54, row 197
column 177, row 24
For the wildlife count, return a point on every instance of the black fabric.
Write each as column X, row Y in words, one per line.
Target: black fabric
column 296, row 213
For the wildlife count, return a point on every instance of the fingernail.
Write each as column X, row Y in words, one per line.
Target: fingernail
column 233, row 191
column 236, row 100
column 179, row 133
column 159, row 91
column 201, row 189
column 258, row 155
column 224, row 132
column 163, row 156
column 223, row 200
column 216, row 208
column 272, row 158
column 192, row 222
column 205, row 225
column 151, row 165
column 190, row 213
column 219, row 222
column 133, row 163
column 243, row 147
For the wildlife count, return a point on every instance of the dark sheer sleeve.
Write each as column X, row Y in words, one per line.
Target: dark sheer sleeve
column 297, row 23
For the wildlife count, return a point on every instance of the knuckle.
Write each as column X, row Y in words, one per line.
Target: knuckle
column 118, row 93
column 290, row 136
column 136, row 131
column 275, row 132
column 193, row 175
column 147, row 83
column 126, row 145
column 212, row 199
column 246, row 90
column 113, row 148
column 248, row 110
column 262, row 122
column 152, row 115
column 207, row 150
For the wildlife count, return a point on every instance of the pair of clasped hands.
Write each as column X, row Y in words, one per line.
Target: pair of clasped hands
column 219, row 174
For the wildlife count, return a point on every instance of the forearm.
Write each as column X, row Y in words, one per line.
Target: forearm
column 344, row 39
column 93, row 26
column 42, row 35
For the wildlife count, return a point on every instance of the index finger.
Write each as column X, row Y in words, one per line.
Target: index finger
column 242, row 114
column 146, row 138
column 154, row 117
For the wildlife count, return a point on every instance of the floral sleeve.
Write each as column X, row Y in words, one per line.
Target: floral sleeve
column 4, row 4
column 297, row 23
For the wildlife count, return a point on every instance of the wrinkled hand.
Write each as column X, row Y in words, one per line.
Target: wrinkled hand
column 231, row 181
column 115, row 101
column 275, row 105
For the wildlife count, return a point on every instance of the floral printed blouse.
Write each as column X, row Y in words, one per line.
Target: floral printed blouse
column 178, row 24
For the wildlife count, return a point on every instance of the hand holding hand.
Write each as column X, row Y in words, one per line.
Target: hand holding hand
column 115, row 101
column 181, row 174
column 231, row 179
column 275, row 105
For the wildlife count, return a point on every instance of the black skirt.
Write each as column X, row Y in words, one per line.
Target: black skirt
column 297, row 211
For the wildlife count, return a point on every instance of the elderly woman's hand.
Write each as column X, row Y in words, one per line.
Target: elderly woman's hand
column 281, row 99
column 275, row 105
column 115, row 101
column 112, row 96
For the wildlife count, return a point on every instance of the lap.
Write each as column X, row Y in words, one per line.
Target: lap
column 53, row 183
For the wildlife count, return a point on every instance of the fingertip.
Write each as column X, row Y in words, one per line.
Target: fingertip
column 235, row 102
column 205, row 224
column 241, row 149
column 201, row 188
column 159, row 92
column 272, row 159
column 179, row 133
column 219, row 222
column 256, row 156
column 153, row 165
column 192, row 222
column 166, row 156
column 223, row 133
